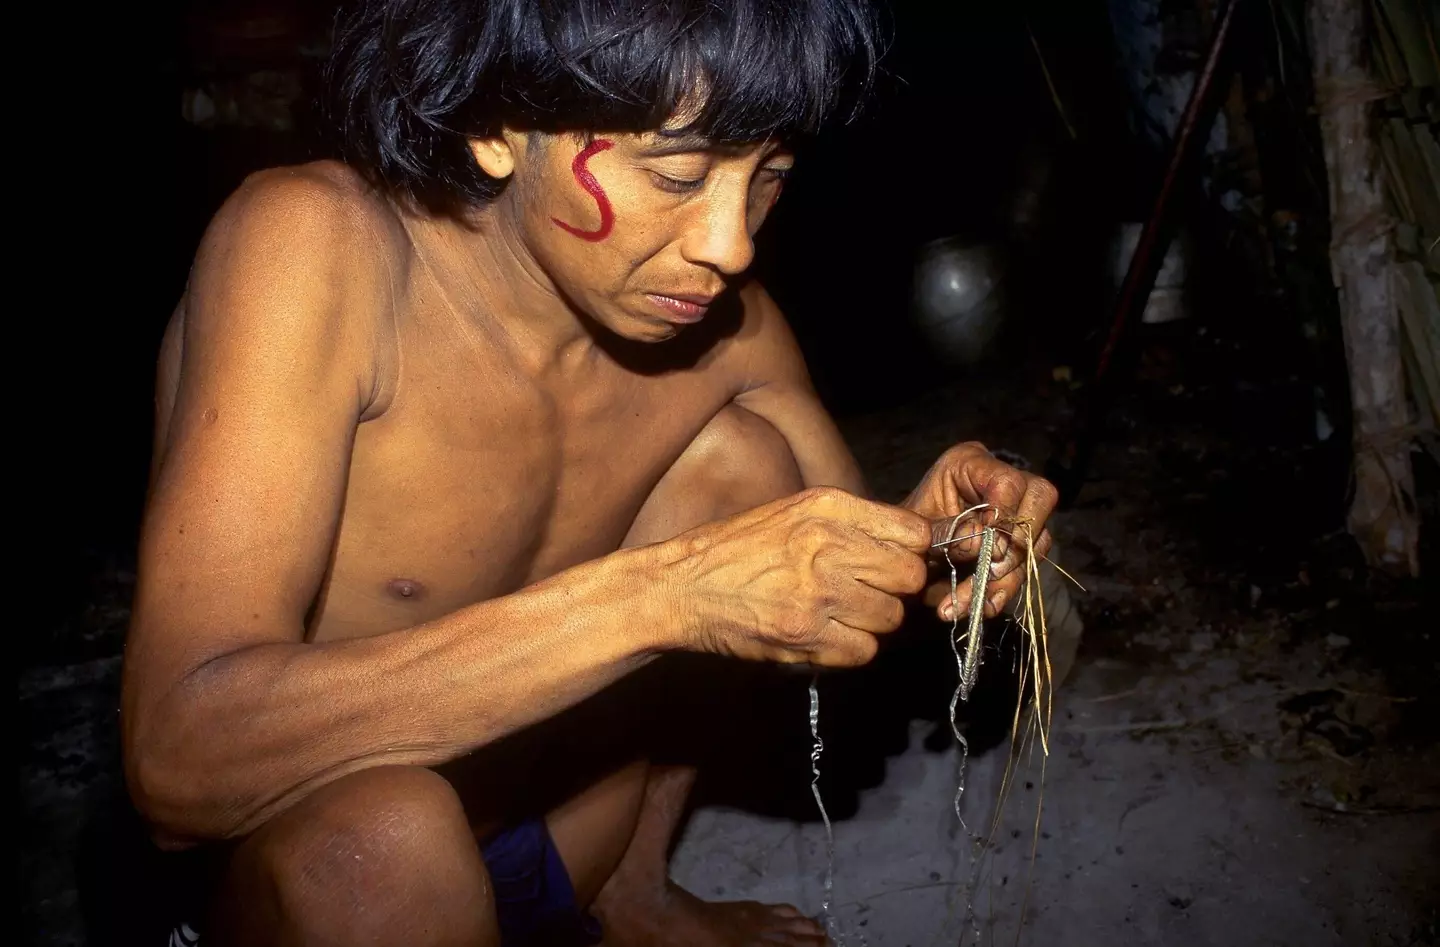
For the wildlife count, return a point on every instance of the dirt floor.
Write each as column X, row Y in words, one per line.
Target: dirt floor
column 1245, row 753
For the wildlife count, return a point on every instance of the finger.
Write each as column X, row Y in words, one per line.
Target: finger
column 886, row 567
column 960, row 537
column 1044, row 543
column 957, row 607
column 868, row 609
column 840, row 646
column 887, row 523
column 1016, row 556
column 996, row 600
column 1036, row 505
column 996, row 482
column 1001, row 592
column 997, row 596
column 1003, row 562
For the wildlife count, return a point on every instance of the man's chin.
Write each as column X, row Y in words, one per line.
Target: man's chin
column 645, row 329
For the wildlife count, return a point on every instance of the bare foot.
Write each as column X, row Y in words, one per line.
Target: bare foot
column 673, row 917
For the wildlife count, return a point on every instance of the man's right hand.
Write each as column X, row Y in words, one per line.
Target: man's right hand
column 809, row 578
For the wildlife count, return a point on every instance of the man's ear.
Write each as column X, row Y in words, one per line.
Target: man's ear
column 496, row 156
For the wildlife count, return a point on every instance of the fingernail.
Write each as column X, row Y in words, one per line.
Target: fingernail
column 1000, row 568
column 947, row 611
column 997, row 600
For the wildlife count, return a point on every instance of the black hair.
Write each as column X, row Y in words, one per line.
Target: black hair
column 412, row 80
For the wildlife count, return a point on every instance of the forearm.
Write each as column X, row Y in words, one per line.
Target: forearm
column 247, row 734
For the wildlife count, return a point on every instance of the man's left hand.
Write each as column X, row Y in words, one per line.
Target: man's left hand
column 967, row 475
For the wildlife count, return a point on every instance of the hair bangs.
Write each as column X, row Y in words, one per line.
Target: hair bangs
column 417, row 78
column 728, row 72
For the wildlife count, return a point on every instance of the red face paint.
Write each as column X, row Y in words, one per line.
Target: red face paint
column 579, row 167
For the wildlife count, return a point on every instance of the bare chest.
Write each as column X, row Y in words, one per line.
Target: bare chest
column 476, row 484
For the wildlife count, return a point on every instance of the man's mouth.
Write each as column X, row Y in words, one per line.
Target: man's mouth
column 685, row 307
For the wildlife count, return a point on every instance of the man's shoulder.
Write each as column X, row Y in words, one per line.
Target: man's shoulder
column 763, row 347
column 301, row 259
column 316, row 235
column 762, row 325
column 313, row 210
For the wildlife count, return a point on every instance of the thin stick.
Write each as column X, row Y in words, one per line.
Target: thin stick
column 1050, row 84
column 962, row 671
column 973, row 635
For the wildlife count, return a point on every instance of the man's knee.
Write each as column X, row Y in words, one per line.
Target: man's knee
column 372, row 823
column 744, row 453
column 737, row 462
column 379, row 854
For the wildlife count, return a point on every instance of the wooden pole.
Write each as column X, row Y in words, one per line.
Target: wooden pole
column 1382, row 516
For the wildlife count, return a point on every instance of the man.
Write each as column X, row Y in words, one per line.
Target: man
column 456, row 435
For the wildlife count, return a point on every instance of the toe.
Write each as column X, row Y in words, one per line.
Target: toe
column 789, row 926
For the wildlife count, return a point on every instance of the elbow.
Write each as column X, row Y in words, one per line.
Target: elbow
column 167, row 793
column 171, row 787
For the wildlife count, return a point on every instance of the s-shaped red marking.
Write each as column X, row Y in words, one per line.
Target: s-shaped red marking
column 579, row 167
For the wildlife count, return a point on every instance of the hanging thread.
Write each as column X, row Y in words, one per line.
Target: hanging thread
column 817, row 747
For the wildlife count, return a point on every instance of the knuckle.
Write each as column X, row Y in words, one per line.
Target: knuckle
column 1011, row 478
column 917, row 574
column 796, row 626
column 813, row 535
column 824, row 497
column 865, row 649
column 920, row 530
column 1046, row 491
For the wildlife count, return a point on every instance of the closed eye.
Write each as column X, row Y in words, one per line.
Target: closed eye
column 676, row 185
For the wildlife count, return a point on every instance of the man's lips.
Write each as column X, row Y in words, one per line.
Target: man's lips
column 686, row 307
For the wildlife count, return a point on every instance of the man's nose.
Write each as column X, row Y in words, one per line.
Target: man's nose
column 720, row 236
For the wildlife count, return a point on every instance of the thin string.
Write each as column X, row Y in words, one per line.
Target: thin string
column 967, row 666
column 818, row 747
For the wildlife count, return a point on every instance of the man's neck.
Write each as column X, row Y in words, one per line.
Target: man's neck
column 490, row 277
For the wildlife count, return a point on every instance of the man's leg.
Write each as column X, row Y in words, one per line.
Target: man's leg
column 380, row 857
column 388, row 856
column 737, row 463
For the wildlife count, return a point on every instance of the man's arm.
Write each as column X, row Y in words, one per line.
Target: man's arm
column 777, row 387
column 229, row 717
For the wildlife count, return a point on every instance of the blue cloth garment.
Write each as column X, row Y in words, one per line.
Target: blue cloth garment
column 534, row 899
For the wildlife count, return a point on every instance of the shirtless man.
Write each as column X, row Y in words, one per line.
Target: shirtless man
column 456, row 435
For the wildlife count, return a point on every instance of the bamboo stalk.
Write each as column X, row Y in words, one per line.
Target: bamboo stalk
column 1382, row 516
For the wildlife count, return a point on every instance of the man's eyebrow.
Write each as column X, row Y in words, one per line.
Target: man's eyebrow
column 688, row 144
column 664, row 144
